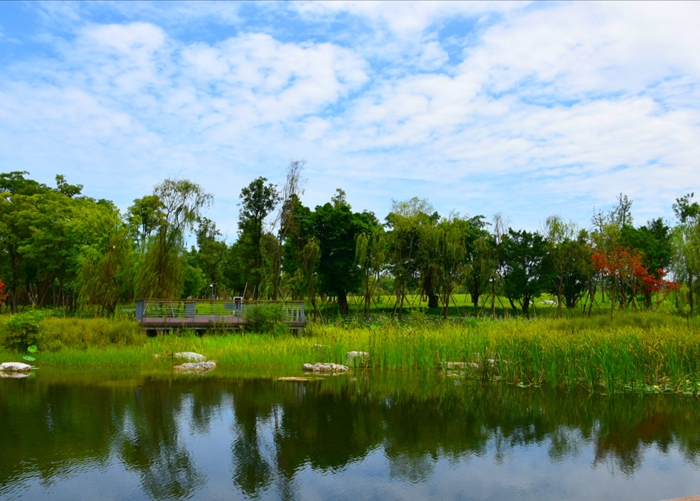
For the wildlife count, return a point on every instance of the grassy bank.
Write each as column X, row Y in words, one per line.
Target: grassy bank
column 644, row 351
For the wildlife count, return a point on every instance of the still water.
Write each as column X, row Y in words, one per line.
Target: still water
column 359, row 436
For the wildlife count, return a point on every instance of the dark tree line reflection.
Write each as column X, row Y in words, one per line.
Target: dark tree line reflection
column 54, row 425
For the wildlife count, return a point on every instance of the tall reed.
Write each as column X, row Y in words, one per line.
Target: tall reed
column 635, row 352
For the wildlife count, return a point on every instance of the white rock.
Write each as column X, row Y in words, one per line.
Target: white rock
column 356, row 354
column 196, row 367
column 15, row 367
column 460, row 366
column 190, row 355
column 327, row 367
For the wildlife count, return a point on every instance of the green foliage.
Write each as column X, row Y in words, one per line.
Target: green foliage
column 258, row 200
column 105, row 277
column 144, row 218
column 175, row 211
column 654, row 241
column 526, row 267
column 61, row 249
column 264, row 318
column 336, row 226
column 22, row 331
column 195, row 282
column 211, row 251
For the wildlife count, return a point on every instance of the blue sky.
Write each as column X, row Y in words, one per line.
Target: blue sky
column 524, row 109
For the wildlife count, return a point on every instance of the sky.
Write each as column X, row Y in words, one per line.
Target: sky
column 524, row 109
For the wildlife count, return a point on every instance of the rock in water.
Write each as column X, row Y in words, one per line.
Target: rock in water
column 325, row 368
column 15, row 367
column 190, row 356
column 195, row 367
column 354, row 355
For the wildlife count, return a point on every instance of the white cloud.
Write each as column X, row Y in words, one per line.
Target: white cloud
column 549, row 102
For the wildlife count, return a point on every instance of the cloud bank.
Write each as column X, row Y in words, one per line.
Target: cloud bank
column 524, row 109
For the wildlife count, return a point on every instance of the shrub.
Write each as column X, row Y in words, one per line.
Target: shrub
column 82, row 333
column 263, row 318
column 22, row 331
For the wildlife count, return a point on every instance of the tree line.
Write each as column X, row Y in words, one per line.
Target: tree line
column 62, row 249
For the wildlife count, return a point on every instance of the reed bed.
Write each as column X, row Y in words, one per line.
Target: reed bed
column 645, row 352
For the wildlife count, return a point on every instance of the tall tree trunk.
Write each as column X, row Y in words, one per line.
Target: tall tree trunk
column 429, row 291
column 368, row 297
column 493, row 300
column 559, row 296
column 343, row 303
column 526, row 305
column 447, row 295
column 690, row 291
column 612, row 296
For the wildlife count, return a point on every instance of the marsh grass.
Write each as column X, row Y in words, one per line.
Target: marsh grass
column 641, row 352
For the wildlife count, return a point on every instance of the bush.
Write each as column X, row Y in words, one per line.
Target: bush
column 82, row 333
column 264, row 318
column 22, row 331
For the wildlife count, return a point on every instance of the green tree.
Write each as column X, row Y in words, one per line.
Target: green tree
column 211, row 251
column 526, row 267
column 479, row 260
column 105, row 278
column 653, row 240
column 160, row 273
column 336, row 227
column 370, row 254
column 144, row 218
column 409, row 261
column 564, row 250
column 451, row 252
column 258, row 200
column 685, row 242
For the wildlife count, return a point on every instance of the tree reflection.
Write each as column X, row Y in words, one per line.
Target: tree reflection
column 253, row 404
column 151, row 445
column 280, row 428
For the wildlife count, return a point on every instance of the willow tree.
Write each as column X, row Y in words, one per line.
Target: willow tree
column 160, row 273
column 406, row 258
column 104, row 279
column 686, row 245
column 370, row 254
column 450, row 239
column 559, row 235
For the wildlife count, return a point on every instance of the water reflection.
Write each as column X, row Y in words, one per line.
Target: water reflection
column 166, row 429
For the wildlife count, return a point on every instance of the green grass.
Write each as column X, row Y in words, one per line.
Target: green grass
column 641, row 351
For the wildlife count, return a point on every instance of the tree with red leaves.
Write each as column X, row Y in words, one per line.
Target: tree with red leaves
column 3, row 295
column 618, row 266
column 623, row 268
column 649, row 285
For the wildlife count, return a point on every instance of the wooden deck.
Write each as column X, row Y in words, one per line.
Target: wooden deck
column 160, row 315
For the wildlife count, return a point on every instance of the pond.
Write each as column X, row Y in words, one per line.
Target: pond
column 365, row 435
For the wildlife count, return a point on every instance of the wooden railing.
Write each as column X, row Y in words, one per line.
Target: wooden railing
column 292, row 311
